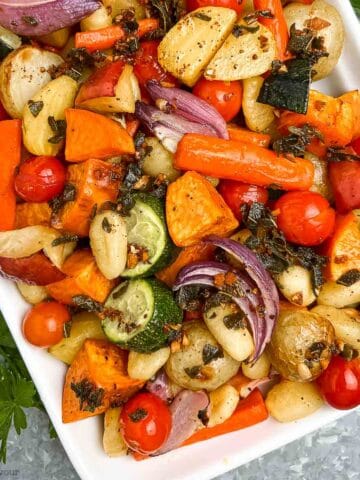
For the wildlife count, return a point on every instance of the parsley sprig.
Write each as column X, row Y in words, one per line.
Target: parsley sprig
column 17, row 391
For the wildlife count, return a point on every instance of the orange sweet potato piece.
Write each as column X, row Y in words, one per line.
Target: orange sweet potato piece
column 90, row 135
column 28, row 214
column 193, row 253
column 96, row 381
column 36, row 269
column 194, row 209
column 96, row 182
column 83, row 278
column 353, row 99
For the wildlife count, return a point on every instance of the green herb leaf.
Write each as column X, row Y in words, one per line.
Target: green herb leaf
column 138, row 415
column 35, row 107
column 349, row 278
column 211, row 352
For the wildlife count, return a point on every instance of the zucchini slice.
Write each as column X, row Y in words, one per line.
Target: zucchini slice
column 8, row 42
column 146, row 229
column 147, row 306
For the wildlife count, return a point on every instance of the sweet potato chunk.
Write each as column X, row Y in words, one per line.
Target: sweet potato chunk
column 194, row 209
column 96, row 381
column 29, row 214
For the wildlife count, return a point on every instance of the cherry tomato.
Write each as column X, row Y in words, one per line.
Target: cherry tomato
column 345, row 182
column 43, row 325
column 236, row 194
column 356, row 146
column 147, row 67
column 145, row 422
column 226, row 97
column 40, row 179
column 236, row 5
column 305, row 217
column 340, row 383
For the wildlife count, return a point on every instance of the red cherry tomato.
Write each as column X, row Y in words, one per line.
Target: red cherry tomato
column 236, row 5
column 226, row 97
column 340, row 383
column 345, row 182
column 40, row 179
column 43, row 325
column 236, row 194
column 147, row 67
column 356, row 146
column 145, row 422
column 305, row 217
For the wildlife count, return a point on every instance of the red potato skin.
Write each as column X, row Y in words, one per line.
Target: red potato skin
column 34, row 270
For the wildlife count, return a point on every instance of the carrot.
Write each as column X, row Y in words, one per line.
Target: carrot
column 36, row 269
column 95, row 182
column 90, row 135
column 250, row 411
column 247, row 136
column 28, row 214
column 343, row 248
column 194, row 253
column 333, row 117
column 317, row 147
column 10, row 155
column 277, row 25
column 96, row 380
column 194, row 209
column 83, row 278
column 244, row 162
column 107, row 37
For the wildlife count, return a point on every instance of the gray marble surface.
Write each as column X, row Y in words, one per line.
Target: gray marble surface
column 331, row 453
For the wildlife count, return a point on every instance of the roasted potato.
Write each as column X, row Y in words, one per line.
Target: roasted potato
column 244, row 55
column 116, row 6
column 188, row 47
column 258, row 116
column 32, row 293
column 339, row 296
column 101, row 18
column 326, row 22
column 259, row 369
column 321, row 181
column 288, row 401
column 158, row 160
column 223, row 403
column 57, row 39
column 191, row 367
column 301, row 345
column 145, row 365
column 296, row 285
column 113, row 442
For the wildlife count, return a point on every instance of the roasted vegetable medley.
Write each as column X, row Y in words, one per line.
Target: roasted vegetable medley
column 181, row 207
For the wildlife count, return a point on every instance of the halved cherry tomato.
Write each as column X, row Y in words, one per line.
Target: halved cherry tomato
column 226, row 97
column 145, row 422
column 356, row 146
column 340, row 383
column 40, row 179
column 236, row 194
column 147, row 67
column 345, row 182
column 305, row 218
column 236, row 5
column 43, row 325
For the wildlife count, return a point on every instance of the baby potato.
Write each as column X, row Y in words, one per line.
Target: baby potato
column 259, row 369
column 223, row 403
column 339, row 296
column 159, row 160
column 346, row 323
column 143, row 366
column 32, row 293
column 326, row 21
column 301, row 345
column 288, row 401
column 258, row 116
column 192, row 366
column 296, row 286
column 113, row 442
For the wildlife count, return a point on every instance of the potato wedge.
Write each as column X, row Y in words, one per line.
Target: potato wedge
column 56, row 97
column 101, row 18
column 243, row 55
column 32, row 293
column 339, row 296
column 296, row 285
column 327, row 23
column 143, row 366
column 158, row 160
column 258, row 116
column 260, row 369
column 189, row 46
column 22, row 74
column 84, row 325
column 223, row 403
column 113, row 442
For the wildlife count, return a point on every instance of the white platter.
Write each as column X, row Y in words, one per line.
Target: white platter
column 205, row 460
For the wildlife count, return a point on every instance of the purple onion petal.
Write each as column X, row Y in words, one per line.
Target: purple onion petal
column 160, row 387
column 189, row 106
column 47, row 15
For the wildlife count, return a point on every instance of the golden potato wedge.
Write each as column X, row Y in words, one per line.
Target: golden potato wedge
column 113, row 442
column 258, row 116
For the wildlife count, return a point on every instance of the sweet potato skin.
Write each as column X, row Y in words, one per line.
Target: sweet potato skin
column 104, row 366
column 35, row 270
column 194, row 209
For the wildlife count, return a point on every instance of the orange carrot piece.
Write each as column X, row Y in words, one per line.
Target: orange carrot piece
column 247, row 136
column 102, row 367
column 90, row 135
column 84, row 278
column 194, row 253
column 28, row 214
column 10, row 155
column 194, row 209
column 96, row 182
column 244, row 162
column 250, row 411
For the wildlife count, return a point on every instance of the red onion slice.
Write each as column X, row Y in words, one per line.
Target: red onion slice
column 39, row 17
column 160, row 387
column 185, row 421
column 189, row 106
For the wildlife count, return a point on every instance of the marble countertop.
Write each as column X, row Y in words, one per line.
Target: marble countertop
column 331, row 453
